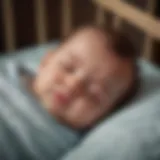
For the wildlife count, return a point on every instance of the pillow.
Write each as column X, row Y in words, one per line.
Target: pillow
column 131, row 134
column 147, row 67
column 30, row 57
column 114, row 130
column 150, row 79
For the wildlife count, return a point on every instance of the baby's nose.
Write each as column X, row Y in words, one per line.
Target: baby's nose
column 75, row 85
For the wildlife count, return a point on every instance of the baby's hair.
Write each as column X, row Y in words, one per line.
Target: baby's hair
column 118, row 40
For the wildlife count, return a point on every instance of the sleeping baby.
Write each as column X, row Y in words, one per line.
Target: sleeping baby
column 84, row 78
column 82, row 81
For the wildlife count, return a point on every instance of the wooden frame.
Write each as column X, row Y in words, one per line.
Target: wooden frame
column 8, row 19
column 144, row 21
column 66, row 17
column 40, row 16
column 136, row 17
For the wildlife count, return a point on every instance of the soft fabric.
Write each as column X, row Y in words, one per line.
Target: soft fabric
column 150, row 79
column 132, row 134
column 30, row 56
column 27, row 130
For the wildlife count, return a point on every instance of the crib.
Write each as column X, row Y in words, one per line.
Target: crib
column 32, row 22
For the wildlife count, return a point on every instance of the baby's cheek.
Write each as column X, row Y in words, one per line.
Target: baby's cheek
column 77, row 106
column 115, row 93
column 58, row 77
column 82, row 109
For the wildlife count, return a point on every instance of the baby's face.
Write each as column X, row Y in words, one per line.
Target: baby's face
column 80, row 82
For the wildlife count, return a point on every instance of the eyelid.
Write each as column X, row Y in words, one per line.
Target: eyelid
column 67, row 66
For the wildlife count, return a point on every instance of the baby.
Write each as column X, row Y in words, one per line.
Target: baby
column 86, row 77
column 78, row 84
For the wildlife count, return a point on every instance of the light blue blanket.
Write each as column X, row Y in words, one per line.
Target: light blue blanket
column 27, row 131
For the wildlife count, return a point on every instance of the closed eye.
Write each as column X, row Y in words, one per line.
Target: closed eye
column 67, row 67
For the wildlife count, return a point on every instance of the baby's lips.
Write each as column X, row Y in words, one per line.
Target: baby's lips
column 62, row 98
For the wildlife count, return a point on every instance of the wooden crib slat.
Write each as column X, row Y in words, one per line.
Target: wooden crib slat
column 151, row 6
column 116, row 21
column 148, row 41
column 136, row 17
column 100, row 16
column 66, row 17
column 9, row 27
column 147, row 50
column 40, row 19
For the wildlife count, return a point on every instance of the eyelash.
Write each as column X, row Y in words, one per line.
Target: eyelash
column 70, row 69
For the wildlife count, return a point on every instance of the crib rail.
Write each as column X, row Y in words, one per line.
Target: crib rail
column 144, row 21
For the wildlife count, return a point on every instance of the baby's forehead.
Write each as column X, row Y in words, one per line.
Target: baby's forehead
column 89, row 34
column 87, row 40
column 90, row 44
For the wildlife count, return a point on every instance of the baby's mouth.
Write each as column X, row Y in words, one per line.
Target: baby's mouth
column 61, row 98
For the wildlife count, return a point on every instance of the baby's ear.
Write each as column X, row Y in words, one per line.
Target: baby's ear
column 46, row 58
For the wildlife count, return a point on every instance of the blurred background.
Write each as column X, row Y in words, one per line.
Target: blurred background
column 25, row 23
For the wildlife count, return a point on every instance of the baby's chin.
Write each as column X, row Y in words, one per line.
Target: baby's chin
column 53, row 109
column 64, row 117
column 72, row 123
